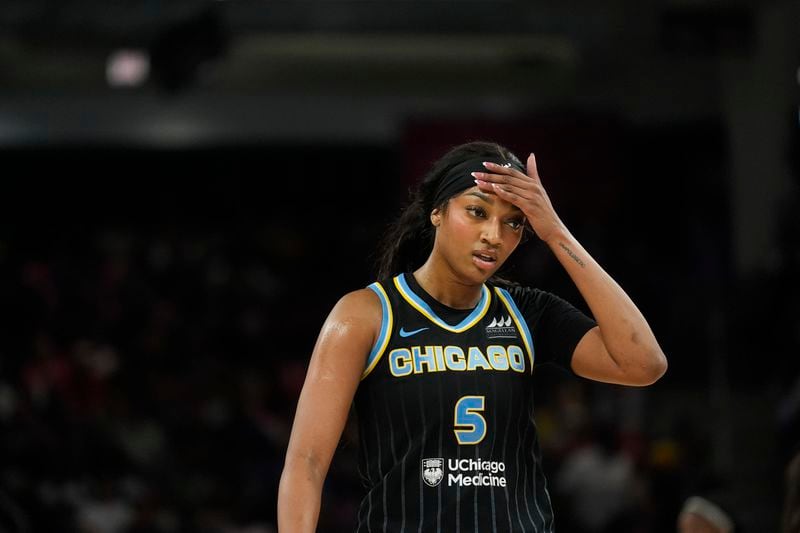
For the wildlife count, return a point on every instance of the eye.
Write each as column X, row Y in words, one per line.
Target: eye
column 477, row 211
column 516, row 223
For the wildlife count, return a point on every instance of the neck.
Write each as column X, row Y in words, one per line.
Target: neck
column 441, row 282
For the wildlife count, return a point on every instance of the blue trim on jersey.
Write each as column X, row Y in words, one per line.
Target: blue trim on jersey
column 386, row 329
column 520, row 321
column 425, row 309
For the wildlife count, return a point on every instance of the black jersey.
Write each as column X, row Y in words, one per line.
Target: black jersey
column 445, row 410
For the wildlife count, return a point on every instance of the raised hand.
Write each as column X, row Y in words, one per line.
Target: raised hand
column 524, row 191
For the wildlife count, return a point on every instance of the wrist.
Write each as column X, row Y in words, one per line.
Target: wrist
column 559, row 235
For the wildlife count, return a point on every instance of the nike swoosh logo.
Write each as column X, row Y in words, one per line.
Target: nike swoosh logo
column 404, row 333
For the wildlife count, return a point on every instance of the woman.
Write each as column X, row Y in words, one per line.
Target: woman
column 438, row 356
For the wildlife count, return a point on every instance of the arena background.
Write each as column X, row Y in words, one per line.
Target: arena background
column 188, row 187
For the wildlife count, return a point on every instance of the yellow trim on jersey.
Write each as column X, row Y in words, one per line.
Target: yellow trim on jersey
column 387, row 322
column 522, row 328
column 417, row 303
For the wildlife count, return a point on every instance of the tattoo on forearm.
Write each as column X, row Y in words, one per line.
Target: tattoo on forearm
column 572, row 255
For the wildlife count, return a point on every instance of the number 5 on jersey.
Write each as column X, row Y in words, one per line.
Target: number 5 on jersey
column 469, row 425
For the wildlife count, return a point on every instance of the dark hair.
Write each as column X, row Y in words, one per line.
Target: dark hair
column 409, row 240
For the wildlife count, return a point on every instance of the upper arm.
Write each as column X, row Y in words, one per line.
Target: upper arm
column 592, row 360
column 333, row 375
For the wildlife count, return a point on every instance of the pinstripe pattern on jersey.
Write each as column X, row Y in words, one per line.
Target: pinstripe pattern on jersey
column 492, row 454
column 404, row 421
column 440, row 449
column 525, row 485
column 518, row 468
column 392, row 439
column 504, row 455
column 421, row 454
column 410, row 440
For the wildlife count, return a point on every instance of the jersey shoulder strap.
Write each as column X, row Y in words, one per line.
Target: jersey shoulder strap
column 385, row 333
column 519, row 320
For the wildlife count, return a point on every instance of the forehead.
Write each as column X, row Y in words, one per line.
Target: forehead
column 489, row 198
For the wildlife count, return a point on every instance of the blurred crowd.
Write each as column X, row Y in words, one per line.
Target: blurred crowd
column 141, row 393
column 149, row 372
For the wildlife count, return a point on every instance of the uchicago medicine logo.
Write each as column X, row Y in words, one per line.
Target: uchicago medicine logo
column 464, row 472
column 432, row 471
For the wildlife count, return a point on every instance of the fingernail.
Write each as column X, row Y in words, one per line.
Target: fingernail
column 476, row 174
column 486, row 164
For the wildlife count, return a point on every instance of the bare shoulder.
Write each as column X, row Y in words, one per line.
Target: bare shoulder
column 360, row 300
column 356, row 311
column 347, row 335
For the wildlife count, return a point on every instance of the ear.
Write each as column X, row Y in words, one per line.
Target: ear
column 436, row 217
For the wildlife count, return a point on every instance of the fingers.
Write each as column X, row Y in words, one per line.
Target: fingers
column 509, row 195
column 531, row 166
column 524, row 188
column 499, row 178
column 509, row 183
column 512, row 173
column 505, row 191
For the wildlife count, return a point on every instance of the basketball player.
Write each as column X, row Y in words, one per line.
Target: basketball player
column 438, row 355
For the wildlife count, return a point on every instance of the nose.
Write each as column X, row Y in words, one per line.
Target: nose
column 491, row 232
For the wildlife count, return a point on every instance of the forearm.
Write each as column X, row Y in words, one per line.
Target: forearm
column 624, row 350
column 299, row 497
column 333, row 376
column 625, row 332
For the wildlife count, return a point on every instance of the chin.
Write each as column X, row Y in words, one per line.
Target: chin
column 480, row 276
column 485, row 274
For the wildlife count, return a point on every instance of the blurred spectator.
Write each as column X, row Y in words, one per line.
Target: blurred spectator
column 791, row 507
column 597, row 482
column 103, row 510
column 700, row 515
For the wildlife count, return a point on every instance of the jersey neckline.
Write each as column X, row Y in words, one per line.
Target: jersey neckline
column 427, row 305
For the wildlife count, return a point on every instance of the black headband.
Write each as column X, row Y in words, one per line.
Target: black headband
column 460, row 177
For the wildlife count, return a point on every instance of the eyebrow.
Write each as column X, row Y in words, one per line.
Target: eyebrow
column 489, row 200
column 485, row 197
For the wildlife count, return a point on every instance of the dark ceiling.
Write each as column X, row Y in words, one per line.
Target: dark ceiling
column 47, row 43
column 268, row 67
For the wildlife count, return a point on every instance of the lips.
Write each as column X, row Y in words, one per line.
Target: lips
column 484, row 259
column 485, row 255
